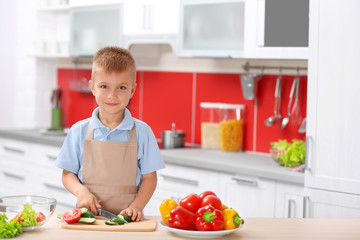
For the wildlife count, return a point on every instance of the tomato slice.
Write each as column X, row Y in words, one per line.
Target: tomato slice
column 40, row 217
column 72, row 216
column 18, row 218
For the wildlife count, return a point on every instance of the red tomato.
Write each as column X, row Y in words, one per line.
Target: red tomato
column 72, row 216
column 212, row 200
column 191, row 202
column 18, row 218
column 40, row 217
column 206, row 193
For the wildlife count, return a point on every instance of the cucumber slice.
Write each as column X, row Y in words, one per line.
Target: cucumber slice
column 87, row 220
column 110, row 223
column 118, row 221
column 125, row 217
column 83, row 210
column 59, row 216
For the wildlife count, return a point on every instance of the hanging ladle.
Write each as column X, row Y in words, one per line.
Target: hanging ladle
column 270, row 121
column 286, row 119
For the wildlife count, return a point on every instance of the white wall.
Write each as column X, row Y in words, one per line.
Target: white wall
column 7, row 62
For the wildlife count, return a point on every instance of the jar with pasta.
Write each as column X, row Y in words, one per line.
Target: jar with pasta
column 222, row 126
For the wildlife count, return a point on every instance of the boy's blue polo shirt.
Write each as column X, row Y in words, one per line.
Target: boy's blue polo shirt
column 71, row 153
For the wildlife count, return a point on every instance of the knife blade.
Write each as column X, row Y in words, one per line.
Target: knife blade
column 109, row 215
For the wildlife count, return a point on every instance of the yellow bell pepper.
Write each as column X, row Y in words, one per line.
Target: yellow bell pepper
column 231, row 218
column 223, row 207
column 165, row 208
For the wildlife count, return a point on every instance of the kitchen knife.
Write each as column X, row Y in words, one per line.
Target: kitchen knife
column 109, row 215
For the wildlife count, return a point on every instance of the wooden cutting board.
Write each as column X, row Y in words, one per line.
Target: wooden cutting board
column 147, row 225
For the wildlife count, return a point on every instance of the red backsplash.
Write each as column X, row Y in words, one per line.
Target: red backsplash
column 165, row 97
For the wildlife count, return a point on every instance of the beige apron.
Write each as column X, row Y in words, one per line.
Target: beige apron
column 109, row 170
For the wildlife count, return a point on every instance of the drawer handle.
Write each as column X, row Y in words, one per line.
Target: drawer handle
column 14, row 150
column 245, row 181
column 14, row 176
column 54, row 187
column 180, row 180
column 51, row 158
column 291, row 208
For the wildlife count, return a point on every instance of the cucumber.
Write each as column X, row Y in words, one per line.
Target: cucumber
column 88, row 214
column 59, row 216
column 125, row 217
column 87, row 220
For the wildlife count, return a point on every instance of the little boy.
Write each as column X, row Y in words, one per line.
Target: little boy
column 110, row 160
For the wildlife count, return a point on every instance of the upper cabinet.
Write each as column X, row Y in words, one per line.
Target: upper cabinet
column 277, row 29
column 270, row 29
column 211, row 28
column 151, row 21
column 95, row 27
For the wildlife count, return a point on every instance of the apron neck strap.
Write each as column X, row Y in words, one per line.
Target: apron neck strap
column 132, row 134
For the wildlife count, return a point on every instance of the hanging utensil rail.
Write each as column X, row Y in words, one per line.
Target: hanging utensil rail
column 247, row 67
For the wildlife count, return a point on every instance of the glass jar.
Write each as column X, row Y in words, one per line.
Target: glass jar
column 222, row 126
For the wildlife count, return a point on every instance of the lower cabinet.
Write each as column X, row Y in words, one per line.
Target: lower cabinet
column 249, row 196
column 28, row 169
column 289, row 200
column 328, row 204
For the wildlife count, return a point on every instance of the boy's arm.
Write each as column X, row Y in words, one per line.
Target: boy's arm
column 147, row 188
column 84, row 197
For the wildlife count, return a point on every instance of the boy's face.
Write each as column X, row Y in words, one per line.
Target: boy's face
column 112, row 91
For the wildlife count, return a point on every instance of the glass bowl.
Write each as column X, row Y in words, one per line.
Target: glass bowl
column 13, row 205
column 277, row 155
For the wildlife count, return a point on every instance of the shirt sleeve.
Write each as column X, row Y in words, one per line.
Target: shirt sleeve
column 150, row 160
column 69, row 155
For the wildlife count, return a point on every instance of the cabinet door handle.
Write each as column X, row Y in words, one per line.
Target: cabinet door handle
column 54, row 187
column 14, row 150
column 245, row 181
column 14, row 176
column 51, row 158
column 306, row 207
column 291, row 208
column 308, row 152
column 180, row 180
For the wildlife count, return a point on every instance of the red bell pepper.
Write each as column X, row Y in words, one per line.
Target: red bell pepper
column 191, row 202
column 182, row 218
column 209, row 218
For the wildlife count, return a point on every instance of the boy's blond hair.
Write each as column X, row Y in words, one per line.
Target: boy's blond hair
column 113, row 59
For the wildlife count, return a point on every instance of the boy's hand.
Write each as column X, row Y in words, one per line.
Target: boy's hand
column 86, row 199
column 135, row 213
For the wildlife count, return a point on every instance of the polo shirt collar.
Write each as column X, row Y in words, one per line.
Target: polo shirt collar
column 126, row 124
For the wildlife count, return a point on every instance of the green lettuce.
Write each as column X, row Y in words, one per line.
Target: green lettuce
column 28, row 217
column 293, row 154
column 9, row 229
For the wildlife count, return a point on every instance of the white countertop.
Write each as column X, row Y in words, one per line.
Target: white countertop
column 251, row 164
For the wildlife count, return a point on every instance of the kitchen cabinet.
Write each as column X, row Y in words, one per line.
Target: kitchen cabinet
column 276, row 29
column 250, row 196
column 27, row 168
column 151, row 21
column 52, row 31
column 212, row 28
column 327, row 204
column 332, row 152
column 289, row 200
column 94, row 27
